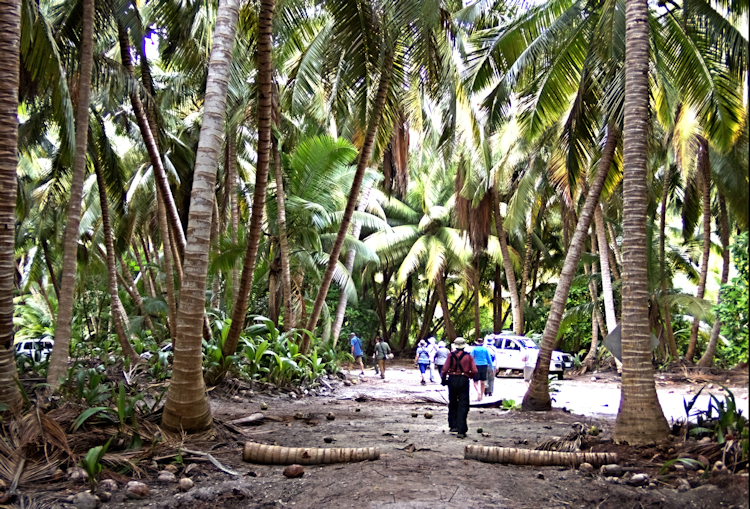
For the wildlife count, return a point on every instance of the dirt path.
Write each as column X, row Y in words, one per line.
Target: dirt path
column 421, row 465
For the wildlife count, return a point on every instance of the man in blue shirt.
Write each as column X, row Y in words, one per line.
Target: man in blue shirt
column 357, row 351
column 482, row 359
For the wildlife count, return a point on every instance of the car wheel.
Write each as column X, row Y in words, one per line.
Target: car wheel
column 559, row 374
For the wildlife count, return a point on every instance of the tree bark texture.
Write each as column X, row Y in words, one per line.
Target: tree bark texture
column 186, row 408
column 10, row 33
column 609, row 299
column 442, row 295
column 667, row 318
column 59, row 359
column 286, row 274
column 510, row 276
column 704, row 165
column 497, row 302
column 265, row 110
column 537, row 396
column 640, row 418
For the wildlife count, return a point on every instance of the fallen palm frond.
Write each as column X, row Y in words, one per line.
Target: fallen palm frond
column 275, row 455
column 32, row 447
column 514, row 456
column 569, row 443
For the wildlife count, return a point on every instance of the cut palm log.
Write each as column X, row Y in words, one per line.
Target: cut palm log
column 276, row 455
column 255, row 418
column 515, row 456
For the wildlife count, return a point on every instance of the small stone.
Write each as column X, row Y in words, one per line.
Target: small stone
column 356, row 409
column 613, row 480
column 136, row 489
column 108, row 485
column 705, row 440
column 683, row 485
column 593, row 379
column 703, row 460
column 330, row 416
column 710, row 386
column 264, row 406
column 406, row 431
column 191, row 468
column 347, row 383
column 428, row 415
column 171, row 468
column 76, row 474
column 185, row 484
column 671, row 450
column 719, row 465
column 236, row 398
column 292, row 395
column 104, row 496
column 480, row 430
column 414, row 414
column 612, row 470
column 638, row 480
column 243, row 392
column 540, row 475
column 299, row 415
column 586, row 468
column 679, row 468
column 486, row 435
column 328, row 440
column 86, row 500
column 294, row 471
column 652, row 485
column 166, row 477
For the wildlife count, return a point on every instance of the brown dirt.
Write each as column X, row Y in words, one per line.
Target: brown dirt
column 431, row 474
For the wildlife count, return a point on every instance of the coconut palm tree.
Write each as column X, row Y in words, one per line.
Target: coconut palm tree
column 10, row 34
column 186, row 408
column 59, row 359
column 640, row 418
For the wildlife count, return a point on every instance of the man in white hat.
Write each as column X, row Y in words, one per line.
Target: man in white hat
column 457, row 372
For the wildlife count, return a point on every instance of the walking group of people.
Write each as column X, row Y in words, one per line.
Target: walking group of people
column 381, row 354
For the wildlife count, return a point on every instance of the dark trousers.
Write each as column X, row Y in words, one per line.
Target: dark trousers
column 458, row 402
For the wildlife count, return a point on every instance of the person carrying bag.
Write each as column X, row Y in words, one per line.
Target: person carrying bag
column 457, row 372
column 382, row 353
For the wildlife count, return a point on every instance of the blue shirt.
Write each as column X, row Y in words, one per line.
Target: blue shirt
column 481, row 356
column 357, row 344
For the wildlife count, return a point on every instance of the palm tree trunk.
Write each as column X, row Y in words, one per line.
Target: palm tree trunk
column 273, row 292
column 615, row 247
column 527, row 254
column 216, row 283
column 50, row 268
column 640, row 418
column 708, row 357
column 59, row 358
column 127, row 281
column 151, row 278
column 338, row 320
column 705, row 172
column 406, row 318
column 609, row 299
column 186, row 408
column 510, row 276
column 429, row 313
column 380, row 302
column 442, row 295
column 667, row 318
column 537, row 396
column 286, row 274
column 168, row 271
column 497, row 302
column 114, row 296
column 142, row 270
column 475, row 284
column 362, row 163
column 10, row 33
column 234, row 210
column 265, row 110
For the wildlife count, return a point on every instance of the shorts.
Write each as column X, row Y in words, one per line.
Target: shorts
column 423, row 367
column 482, row 373
column 357, row 358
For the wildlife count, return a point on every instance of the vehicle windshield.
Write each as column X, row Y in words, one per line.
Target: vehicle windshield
column 528, row 343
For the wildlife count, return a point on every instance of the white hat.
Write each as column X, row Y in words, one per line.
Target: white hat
column 431, row 341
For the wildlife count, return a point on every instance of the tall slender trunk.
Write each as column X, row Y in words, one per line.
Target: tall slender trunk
column 510, row 276
column 475, row 284
column 338, row 320
column 613, row 263
column 150, row 290
column 429, row 313
column 234, row 210
column 265, row 110
column 362, row 163
column 442, row 295
column 151, row 276
column 10, row 33
column 406, row 318
column 640, row 418
column 59, row 358
column 114, row 296
column 50, row 268
column 705, row 169
column 216, row 283
column 667, row 318
column 129, row 284
column 537, row 397
column 497, row 302
column 527, row 254
column 615, row 246
column 609, row 299
column 273, row 292
column 708, row 357
column 168, row 271
column 160, row 176
column 381, row 307
column 186, row 408
column 286, row 274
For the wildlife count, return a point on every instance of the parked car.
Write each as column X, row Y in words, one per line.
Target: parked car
column 514, row 352
column 36, row 349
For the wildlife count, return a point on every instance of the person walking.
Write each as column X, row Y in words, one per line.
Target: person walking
column 489, row 344
column 441, row 355
column 422, row 359
column 432, row 349
column 456, row 373
column 382, row 353
column 482, row 360
column 357, row 351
